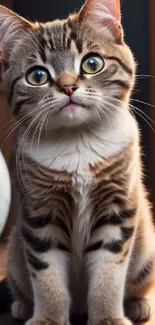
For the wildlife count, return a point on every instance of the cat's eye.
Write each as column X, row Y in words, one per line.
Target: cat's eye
column 37, row 76
column 92, row 64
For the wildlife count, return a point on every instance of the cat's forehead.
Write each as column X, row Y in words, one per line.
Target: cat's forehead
column 64, row 35
column 59, row 43
column 62, row 44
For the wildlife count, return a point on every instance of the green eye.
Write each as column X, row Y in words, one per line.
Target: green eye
column 37, row 76
column 92, row 64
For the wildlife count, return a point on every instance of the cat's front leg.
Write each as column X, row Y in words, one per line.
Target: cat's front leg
column 48, row 266
column 105, row 300
column 106, row 290
column 107, row 258
column 51, row 296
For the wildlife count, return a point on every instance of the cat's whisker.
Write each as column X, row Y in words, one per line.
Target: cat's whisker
column 8, row 122
column 134, row 115
column 46, row 125
column 39, row 135
column 14, row 127
column 17, row 124
column 142, row 102
column 103, row 101
column 109, row 111
column 143, row 118
column 132, row 99
column 32, row 140
column 107, row 116
column 103, row 112
column 144, row 76
column 143, row 113
column 132, row 106
column 36, row 41
column 115, row 107
column 23, row 153
column 17, row 120
column 39, row 114
column 19, row 152
column 27, row 34
column 97, row 113
column 20, row 148
column 25, row 139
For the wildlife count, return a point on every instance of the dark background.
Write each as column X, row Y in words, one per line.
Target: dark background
column 135, row 19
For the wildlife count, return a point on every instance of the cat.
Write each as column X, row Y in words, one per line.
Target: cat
column 84, row 237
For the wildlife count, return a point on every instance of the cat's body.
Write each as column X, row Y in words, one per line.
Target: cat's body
column 84, row 238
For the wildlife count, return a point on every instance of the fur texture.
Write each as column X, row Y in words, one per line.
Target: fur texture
column 84, row 237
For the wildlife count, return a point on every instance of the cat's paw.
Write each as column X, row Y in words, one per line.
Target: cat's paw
column 41, row 322
column 21, row 310
column 35, row 322
column 121, row 321
column 138, row 310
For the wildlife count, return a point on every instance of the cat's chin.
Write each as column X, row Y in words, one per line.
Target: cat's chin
column 72, row 108
column 71, row 115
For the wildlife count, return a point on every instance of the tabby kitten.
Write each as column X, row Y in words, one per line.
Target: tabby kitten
column 84, row 238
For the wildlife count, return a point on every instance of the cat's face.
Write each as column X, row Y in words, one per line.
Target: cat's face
column 67, row 73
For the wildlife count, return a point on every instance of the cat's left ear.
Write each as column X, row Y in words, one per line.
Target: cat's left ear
column 11, row 31
column 103, row 14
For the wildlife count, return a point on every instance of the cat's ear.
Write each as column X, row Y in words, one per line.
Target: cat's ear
column 11, row 28
column 103, row 13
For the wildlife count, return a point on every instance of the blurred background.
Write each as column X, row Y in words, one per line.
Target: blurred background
column 139, row 25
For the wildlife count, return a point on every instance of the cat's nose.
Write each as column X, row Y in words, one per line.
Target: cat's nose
column 69, row 90
column 67, row 83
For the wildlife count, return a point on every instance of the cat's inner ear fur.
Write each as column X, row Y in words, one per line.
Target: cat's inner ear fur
column 105, row 14
column 11, row 30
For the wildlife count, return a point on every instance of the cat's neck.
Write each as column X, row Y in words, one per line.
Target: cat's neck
column 73, row 150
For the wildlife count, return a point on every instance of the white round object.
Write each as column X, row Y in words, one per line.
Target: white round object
column 5, row 193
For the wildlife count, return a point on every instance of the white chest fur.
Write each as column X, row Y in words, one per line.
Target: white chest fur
column 75, row 150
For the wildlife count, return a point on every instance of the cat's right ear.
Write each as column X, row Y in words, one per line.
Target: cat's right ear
column 104, row 14
column 11, row 29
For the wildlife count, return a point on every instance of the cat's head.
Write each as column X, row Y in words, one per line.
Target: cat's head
column 70, row 72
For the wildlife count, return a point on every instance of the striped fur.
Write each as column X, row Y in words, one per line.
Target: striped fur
column 84, row 237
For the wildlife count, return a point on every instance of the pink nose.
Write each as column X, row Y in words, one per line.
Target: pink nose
column 69, row 90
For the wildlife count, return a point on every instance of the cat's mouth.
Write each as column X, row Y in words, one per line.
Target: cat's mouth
column 72, row 106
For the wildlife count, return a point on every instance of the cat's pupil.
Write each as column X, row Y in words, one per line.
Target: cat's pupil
column 92, row 63
column 38, row 75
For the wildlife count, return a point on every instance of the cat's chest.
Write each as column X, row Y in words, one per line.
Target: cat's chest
column 70, row 164
column 64, row 173
column 65, row 162
column 70, row 159
column 75, row 153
